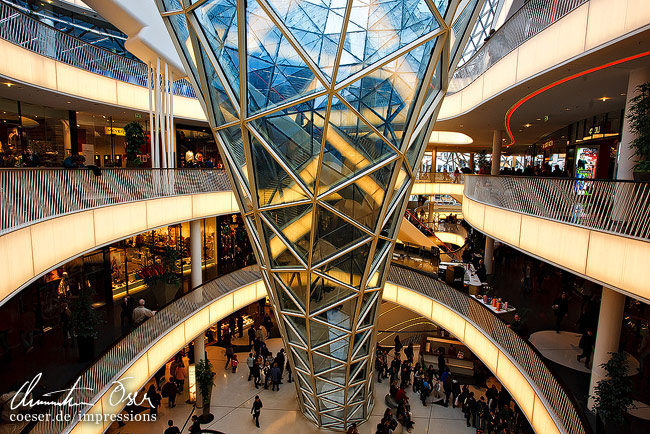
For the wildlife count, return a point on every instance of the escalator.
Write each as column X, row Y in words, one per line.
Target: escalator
column 414, row 231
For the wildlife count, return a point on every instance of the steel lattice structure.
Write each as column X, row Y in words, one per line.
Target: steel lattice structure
column 322, row 110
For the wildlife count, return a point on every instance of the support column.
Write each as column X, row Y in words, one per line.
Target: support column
column 610, row 319
column 196, row 279
column 496, row 160
column 625, row 160
column 471, row 162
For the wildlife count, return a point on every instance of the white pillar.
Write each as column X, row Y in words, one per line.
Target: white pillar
column 612, row 305
column 156, row 84
column 625, row 162
column 196, row 279
column 163, row 118
column 496, row 163
column 151, row 127
column 172, row 133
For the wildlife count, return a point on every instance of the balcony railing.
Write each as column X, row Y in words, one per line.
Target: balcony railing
column 616, row 207
column 533, row 17
column 111, row 365
column 33, row 35
column 442, row 177
column 520, row 351
column 28, row 196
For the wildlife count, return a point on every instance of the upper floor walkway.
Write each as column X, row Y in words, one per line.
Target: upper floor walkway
column 542, row 36
column 598, row 229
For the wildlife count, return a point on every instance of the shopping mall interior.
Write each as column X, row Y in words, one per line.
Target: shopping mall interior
column 302, row 216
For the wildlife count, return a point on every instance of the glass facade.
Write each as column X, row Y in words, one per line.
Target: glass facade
column 322, row 110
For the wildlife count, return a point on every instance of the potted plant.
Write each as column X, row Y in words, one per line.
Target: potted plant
column 84, row 321
column 135, row 140
column 163, row 277
column 204, row 382
column 639, row 118
column 612, row 395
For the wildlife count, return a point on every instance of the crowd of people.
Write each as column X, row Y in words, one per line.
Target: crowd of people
column 490, row 413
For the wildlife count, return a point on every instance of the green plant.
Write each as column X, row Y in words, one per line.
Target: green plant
column 639, row 118
column 612, row 394
column 205, row 381
column 167, row 270
column 134, row 135
column 84, row 318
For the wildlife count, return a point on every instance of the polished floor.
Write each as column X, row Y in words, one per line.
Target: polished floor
column 233, row 395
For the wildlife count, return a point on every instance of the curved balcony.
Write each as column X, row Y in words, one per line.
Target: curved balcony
column 537, row 41
column 541, row 397
column 598, row 229
column 48, row 216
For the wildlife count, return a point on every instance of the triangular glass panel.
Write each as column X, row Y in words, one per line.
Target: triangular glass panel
column 317, row 25
column 325, row 388
column 379, row 264
column 432, row 90
column 326, row 293
column 296, row 330
column 294, row 223
column 304, row 383
column 274, row 185
column 281, row 256
column 287, row 304
column 321, row 333
column 350, row 267
column 234, row 144
column 356, row 393
column 387, row 93
column 370, row 305
column 442, row 6
column 295, row 134
column 338, row 349
column 335, row 375
column 362, row 200
column 413, row 151
column 297, row 283
column 252, row 232
column 322, row 364
column 276, row 73
column 221, row 104
column 351, row 146
column 355, row 412
column 361, row 344
column 179, row 24
column 308, row 400
column 358, row 371
column 393, row 222
column 172, row 5
column 459, row 27
column 218, row 19
column 340, row 315
column 379, row 28
column 333, row 234
column 401, row 184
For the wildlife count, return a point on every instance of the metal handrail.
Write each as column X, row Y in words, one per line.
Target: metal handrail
column 38, row 37
column 616, row 207
column 100, row 376
column 533, row 17
column 28, row 196
column 525, row 357
column 439, row 177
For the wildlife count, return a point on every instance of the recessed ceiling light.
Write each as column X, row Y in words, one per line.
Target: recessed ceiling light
column 567, row 109
column 9, row 84
column 528, row 125
column 539, row 119
column 623, row 94
column 603, row 99
column 68, row 102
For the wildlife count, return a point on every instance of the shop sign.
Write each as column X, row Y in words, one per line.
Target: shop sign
column 114, row 131
column 547, row 145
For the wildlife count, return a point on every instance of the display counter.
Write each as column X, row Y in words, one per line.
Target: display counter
column 461, row 364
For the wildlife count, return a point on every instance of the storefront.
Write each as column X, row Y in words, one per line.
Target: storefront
column 196, row 147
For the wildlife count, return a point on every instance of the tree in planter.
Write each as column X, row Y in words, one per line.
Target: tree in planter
column 639, row 118
column 134, row 135
column 204, row 382
column 84, row 321
column 163, row 278
column 482, row 160
column 612, row 394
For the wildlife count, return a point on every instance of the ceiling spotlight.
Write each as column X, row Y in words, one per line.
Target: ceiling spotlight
column 623, row 94
column 68, row 102
column 528, row 125
column 567, row 109
column 9, row 84
column 603, row 99
column 539, row 119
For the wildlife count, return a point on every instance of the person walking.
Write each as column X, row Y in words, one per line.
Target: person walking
column 256, row 410
column 586, row 344
column 250, row 361
column 141, row 313
column 288, row 369
column 169, row 391
column 179, row 376
column 154, row 399
column 561, row 309
column 229, row 353
column 276, row 376
column 171, row 428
